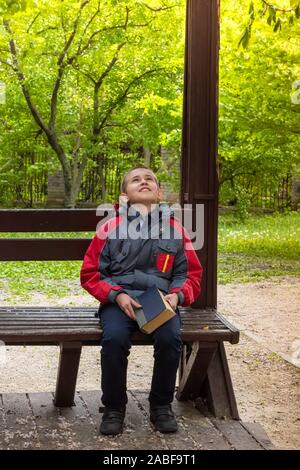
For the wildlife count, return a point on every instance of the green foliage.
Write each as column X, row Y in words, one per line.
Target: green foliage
column 277, row 14
column 92, row 76
column 259, row 248
column 259, row 124
column 135, row 55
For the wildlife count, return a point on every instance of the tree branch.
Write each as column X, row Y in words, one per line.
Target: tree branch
column 106, row 71
column 33, row 21
column 159, row 8
column 62, row 65
column 123, row 124
column 122, row 97
column 127, row 18
column 89, row 42
column 111, row 64
column 50, row 28
column 235, row 175
column 80, row 49
column 85, row 73
column 38, row 119
column 282, row 10
column 7, row 64
column 51, row 137
column 87, row 26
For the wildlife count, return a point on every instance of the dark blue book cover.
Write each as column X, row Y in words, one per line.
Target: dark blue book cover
column 155, row 310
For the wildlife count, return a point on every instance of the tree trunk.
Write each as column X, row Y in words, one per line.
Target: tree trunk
column 100, row 160
column 147, row 156
column 69, row 193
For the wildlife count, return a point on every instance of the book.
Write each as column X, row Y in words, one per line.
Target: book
column 155, row 310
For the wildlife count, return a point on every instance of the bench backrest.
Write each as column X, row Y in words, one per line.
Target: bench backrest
column 46, row 220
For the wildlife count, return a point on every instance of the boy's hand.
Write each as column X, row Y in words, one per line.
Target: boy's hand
column 126, row 303
column 172, row 299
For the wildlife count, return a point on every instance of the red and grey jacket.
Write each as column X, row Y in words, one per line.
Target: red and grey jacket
column 130, row 253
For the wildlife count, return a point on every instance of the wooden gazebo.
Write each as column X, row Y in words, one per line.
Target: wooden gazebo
column 204, row 372
column 199, row 183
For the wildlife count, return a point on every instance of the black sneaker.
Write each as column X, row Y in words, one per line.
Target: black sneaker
column 112, row 421
column 163, row 418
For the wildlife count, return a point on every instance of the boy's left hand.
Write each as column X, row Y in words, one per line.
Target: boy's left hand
column 172, row 299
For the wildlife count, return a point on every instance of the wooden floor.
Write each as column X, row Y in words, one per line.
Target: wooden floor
column 31, row 421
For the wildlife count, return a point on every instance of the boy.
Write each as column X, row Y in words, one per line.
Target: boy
column 144, row 245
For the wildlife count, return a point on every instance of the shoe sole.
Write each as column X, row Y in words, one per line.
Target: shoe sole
column 165, row 431
column 109, row 433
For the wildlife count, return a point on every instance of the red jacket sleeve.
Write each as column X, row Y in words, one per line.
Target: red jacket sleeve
column 187, row 271
column 94, row 275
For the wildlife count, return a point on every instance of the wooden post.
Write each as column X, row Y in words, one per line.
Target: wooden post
column 67, row 373
column 199, row 184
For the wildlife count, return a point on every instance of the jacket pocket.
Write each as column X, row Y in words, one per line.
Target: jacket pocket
column 166, row 252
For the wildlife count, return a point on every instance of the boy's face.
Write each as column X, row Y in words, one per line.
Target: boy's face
column 142, row 187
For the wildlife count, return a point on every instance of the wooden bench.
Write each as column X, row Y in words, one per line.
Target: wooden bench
column 203, row 371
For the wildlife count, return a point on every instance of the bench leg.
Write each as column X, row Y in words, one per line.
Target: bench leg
column 195, row 362
column 217, row 388
column 204, row 373
column 67, row 373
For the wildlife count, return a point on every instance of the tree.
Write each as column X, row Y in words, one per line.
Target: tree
column 259, row 123
column 78, row 66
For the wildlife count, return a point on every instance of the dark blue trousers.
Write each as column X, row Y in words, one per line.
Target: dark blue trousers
column 116, row 344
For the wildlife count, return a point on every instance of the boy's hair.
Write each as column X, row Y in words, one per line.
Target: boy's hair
column 141, row 166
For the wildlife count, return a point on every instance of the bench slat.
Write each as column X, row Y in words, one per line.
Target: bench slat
column 187, row 312
column 91, row 337
column 45, row 309
column 43, row 249
column 52, row 325
column 48, row 220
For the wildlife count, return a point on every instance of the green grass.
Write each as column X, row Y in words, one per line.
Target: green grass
column 51, row 278
column 46, row 234
column 260, row 248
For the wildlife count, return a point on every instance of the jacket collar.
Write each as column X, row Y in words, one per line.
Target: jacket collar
column 160, row 212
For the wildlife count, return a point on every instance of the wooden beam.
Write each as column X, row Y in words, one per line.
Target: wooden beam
column 217, row 388
column 194, row 371
column 43, row 249
column 199, row 184
column 67, row 373
column 48, row 220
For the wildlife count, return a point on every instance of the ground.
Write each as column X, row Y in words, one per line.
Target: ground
column 264, row 365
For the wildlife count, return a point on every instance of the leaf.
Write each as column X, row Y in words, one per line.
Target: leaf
column 270, row 19
column 244, row 41
column 277, row 25
column 272, row 15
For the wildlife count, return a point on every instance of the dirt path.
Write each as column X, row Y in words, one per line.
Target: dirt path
column 267, row 387
column 268, row 312
column 265, row 365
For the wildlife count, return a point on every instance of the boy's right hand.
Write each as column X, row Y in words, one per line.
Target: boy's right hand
column 126, row 303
